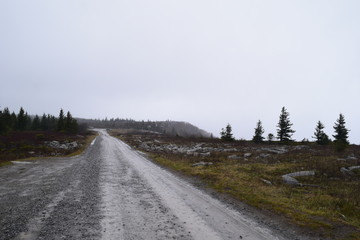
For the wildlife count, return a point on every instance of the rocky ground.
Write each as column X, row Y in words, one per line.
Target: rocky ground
column 21, row 145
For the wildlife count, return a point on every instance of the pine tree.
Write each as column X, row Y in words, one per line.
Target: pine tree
column 320, row 135
column 259, row 131
column 5, row 121
column 284, row 131
column 21, row 120
column 226, row 134
column 68, row 121
column 28, row 122
column 36, row 124
column 74, row 128
column 52, row 121
column 44, row 125
column 341, row 132
column 61, row 121
column 13, row 121
column 71, row 124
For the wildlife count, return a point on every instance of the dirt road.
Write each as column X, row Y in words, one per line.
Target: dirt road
column 112, row 192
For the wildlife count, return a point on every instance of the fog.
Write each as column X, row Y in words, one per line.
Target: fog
column 205, row 62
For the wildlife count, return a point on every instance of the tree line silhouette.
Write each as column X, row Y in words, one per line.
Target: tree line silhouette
column 285, row 131
column 10, row 122
column 169, row 128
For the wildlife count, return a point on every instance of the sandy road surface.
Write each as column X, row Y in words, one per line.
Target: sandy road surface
column 112, row 192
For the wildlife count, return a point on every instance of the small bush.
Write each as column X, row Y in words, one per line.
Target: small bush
column 340, row 146
column 40, row 137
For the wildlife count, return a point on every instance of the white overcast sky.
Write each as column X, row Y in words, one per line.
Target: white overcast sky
column 206, row 62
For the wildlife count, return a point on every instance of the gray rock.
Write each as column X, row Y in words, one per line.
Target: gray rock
column 202, row 164
column 301, row 174
column 289, row 178
column 341, row 159
column 266, row 181
column 353, row 168
column 247, row 155
column 301, row 147
column 351, row 157
column 230, row 150
column 346, row 172
column 207, row 154
column 73, row 145
column 349, row 171
column 144, row 146
column 279, row 150
column 234, row 157
column 65, row 146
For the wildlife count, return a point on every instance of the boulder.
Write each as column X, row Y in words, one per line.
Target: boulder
column 279, row 150
column 301, row 174
column 202, row 164
column 289, row 180
column 349, row 171
column 290, row 177
column 247, row 155
column 72, row 145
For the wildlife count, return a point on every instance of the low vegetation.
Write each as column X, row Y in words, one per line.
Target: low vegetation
column 23, row 136
column 35, row 144
column 327, row 203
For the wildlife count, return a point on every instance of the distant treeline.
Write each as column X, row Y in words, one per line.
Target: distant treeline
column 170, row 128
column 10, row 122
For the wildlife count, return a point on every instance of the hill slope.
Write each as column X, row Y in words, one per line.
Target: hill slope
column 171, row 128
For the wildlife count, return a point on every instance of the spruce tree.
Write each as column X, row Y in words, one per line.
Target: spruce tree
column 284, row 131
column 5, row 121
column 28, row 121
column 226, row 134
column 36, row 124
column 341, row 132
column 259, row 131
column 320, row 135
column 13, row 121
column 52, row 121
column 21, row 120
column 44, row 125
column 68, row 121
column 61, row 121
column 74, row 128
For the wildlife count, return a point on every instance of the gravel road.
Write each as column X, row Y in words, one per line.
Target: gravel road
column 112, row 192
